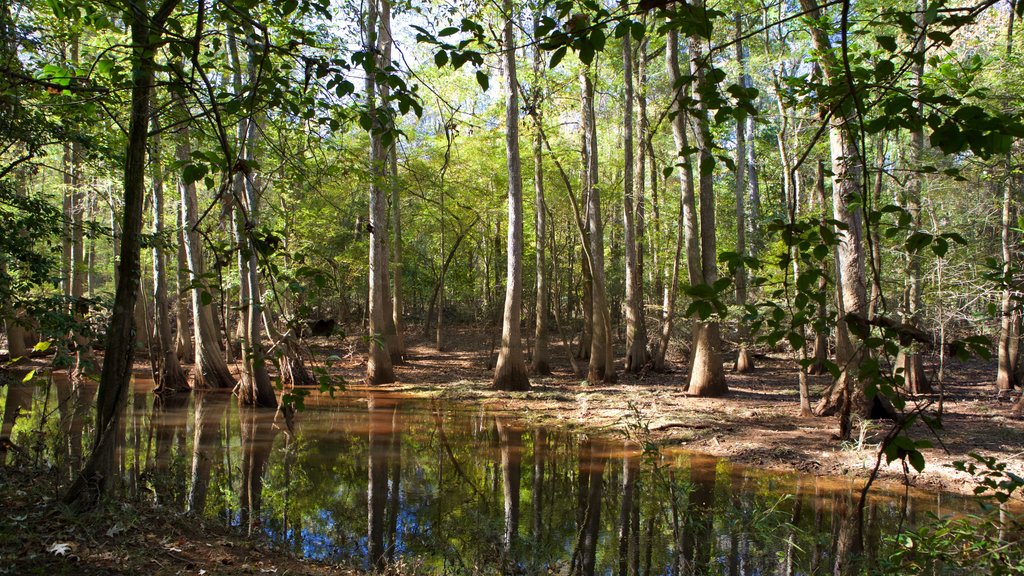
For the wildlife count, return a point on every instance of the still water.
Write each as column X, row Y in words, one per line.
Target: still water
column 372, row 480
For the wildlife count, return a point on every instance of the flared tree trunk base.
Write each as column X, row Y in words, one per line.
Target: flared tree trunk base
column 914, row 376
column 707, row 377
column 511, row 379
column 541, row 367
column 744, row 361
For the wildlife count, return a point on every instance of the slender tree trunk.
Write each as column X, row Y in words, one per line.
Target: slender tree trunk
column 636, row 333
column 169, row 376
column 541, row 363
column 687, row 232
column 98, row 476
column 510, row 370
column 909, row 360
column 602, row 365
column 182, row 308
column 379, row 368
column 820, row 353
column 744, row 360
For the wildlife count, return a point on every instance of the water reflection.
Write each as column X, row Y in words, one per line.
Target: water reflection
column 375, row 480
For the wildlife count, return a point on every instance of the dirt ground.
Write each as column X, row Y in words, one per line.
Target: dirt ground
column 758, row 423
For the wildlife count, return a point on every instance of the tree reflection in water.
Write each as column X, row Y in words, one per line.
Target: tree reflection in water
column 377, row 480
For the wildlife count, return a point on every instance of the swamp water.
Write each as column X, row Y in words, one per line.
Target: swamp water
column 371, row 480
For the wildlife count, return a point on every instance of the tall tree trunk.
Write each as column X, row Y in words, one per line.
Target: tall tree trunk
column 98, row 476
column 686, row 228
column 847, row 168
column 910, row 361
column 510, row 371
column 820, row 354
column 384, row 45
column 636, row 333
column 210, row 370
column 744, row 360
column 602, row 361
column 169, row 376
column 183, row 302
column 541, row 364
column 257, row 389
column 379, row 368
column 707, row 378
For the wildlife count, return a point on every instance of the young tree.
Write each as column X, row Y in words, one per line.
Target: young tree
column 510, row 370
column 98, row 476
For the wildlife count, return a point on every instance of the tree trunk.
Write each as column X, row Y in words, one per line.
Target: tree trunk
column 257, row 389
column 182, row 308
column 510, row 371
column 820, row 354
column 687, row 232
column 210, row 369
column 98, row 476
column 379, row 368
column 909, row 360
column 541, row 364
column 169, row 376
column 744, row 360
column 846, row 187
column 707, row 377
column 636, row 333
column 602, row 361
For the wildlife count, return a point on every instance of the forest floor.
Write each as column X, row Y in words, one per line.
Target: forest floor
column 757, row 424
column 39, row 536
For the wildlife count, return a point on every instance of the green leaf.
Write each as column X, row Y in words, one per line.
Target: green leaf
column 447, row 31
column 31, row 374
column 193, row 173
column 482, row 79
column 42, row 346
column 557, row 57
column 887, row 42
column 441, row 58
column 916, row 460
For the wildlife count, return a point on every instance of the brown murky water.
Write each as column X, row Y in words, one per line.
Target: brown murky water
column 371, row 479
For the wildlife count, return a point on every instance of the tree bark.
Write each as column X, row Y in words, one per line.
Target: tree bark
column 379, row 368
column 210, row 370
column 847, row 168
column 636, row 333
column 744, row 360
column 707, row 378
column 909, row 360
column 169, row 376
column 541, row 363
column 510, row 370
column 602, row 362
